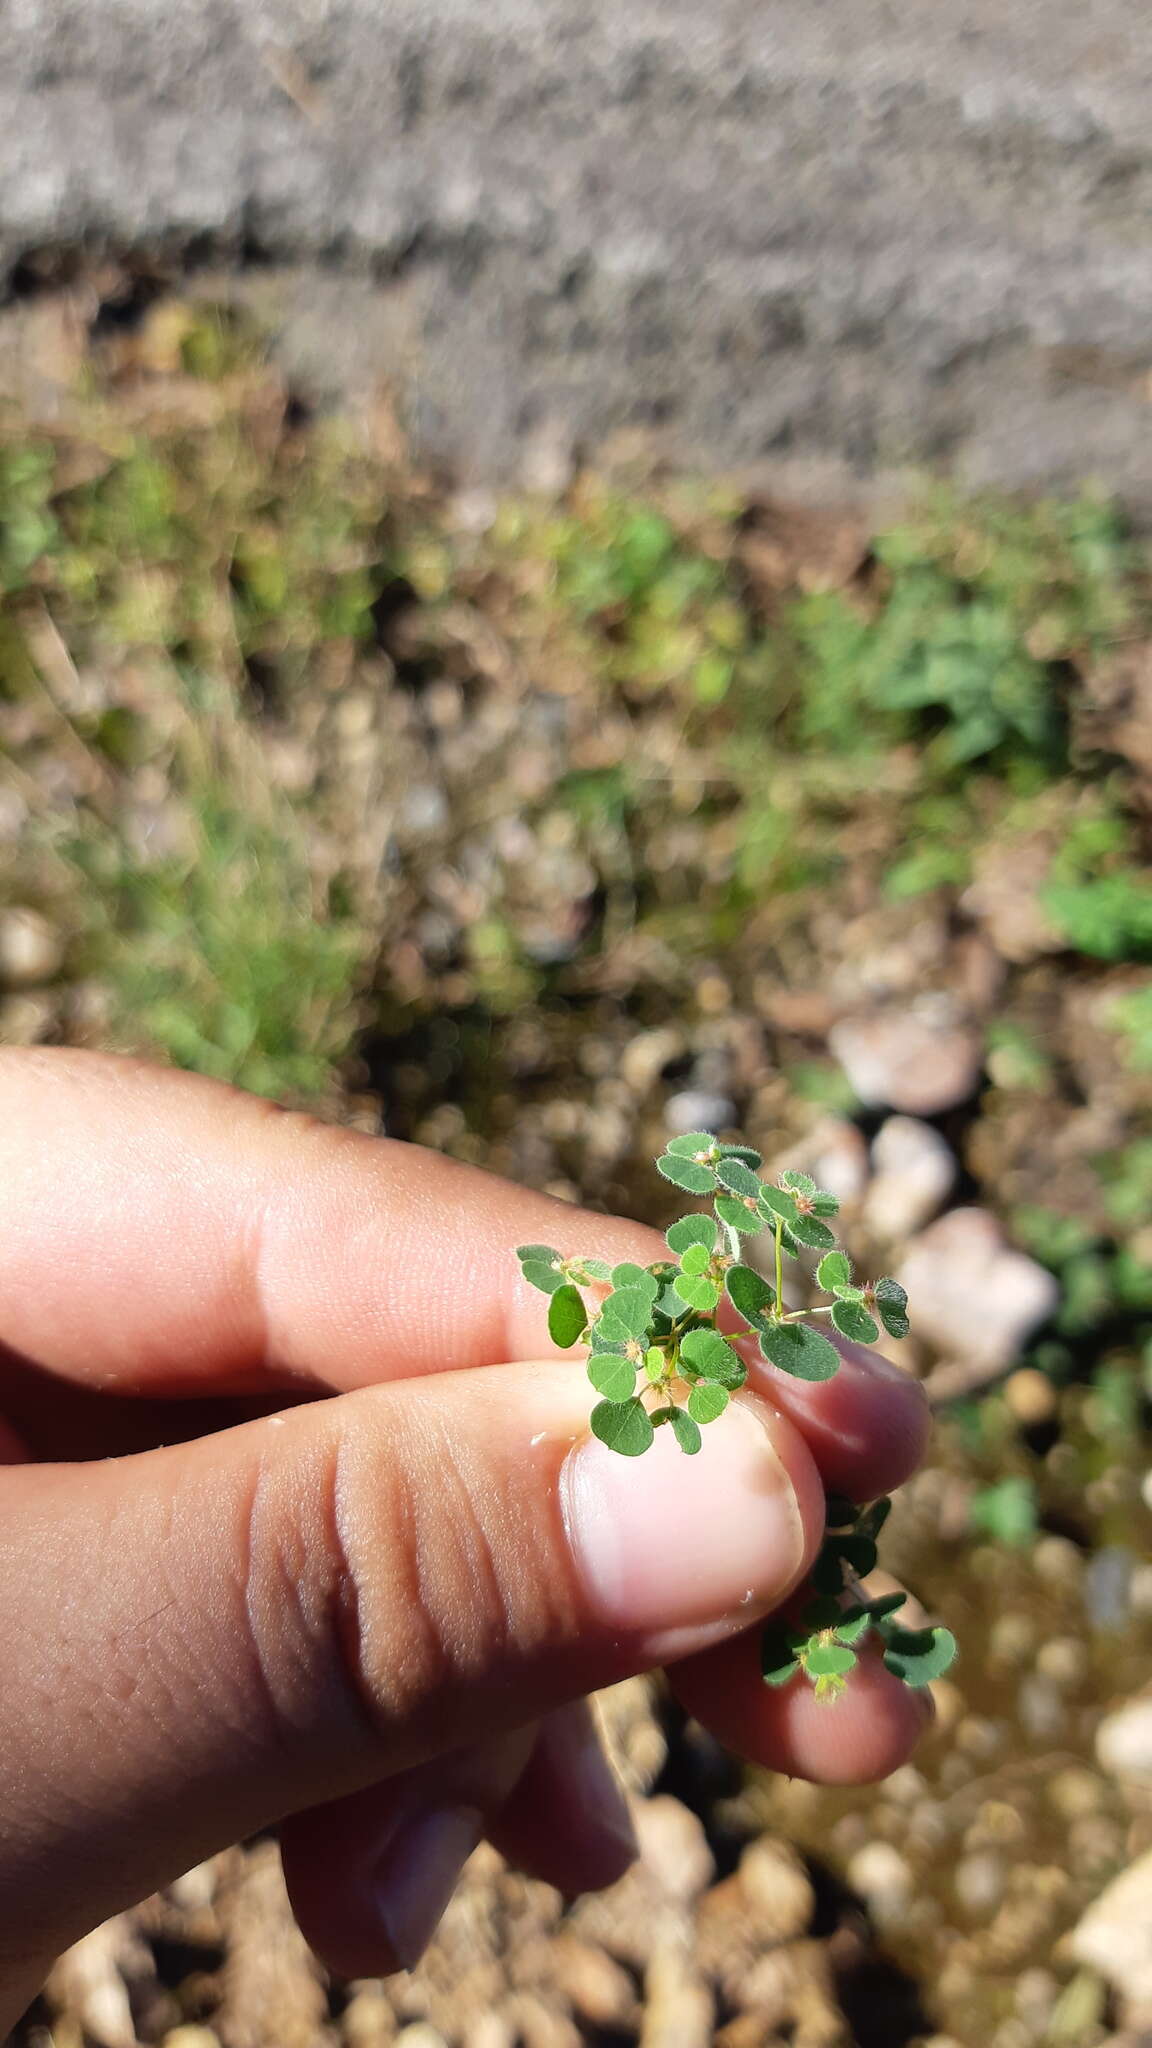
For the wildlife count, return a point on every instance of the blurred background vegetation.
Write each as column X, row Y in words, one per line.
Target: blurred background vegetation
column 532, row 829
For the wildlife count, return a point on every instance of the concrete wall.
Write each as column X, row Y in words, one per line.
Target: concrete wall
column 818, row 233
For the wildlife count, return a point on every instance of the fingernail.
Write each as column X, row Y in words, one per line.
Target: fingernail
column 419, row 1875
column 668, row 1542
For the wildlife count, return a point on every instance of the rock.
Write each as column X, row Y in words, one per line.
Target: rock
column 973, row 1295
column 1041, row 1708
column 203, row 2037
column 883, row 1879
column 31, row 950
column 1124, row 1742
column 89, row 1982
column 1108, row 1586
column 979, row 1881
column 1114, row 1936
column 698, row 1109
column 678, row 2005
column 368, row 2020
column 599, row 1990
column 919, row 1059
column 1005, row 898
column 914, row 1170
column 777, row 1888
column 673, row 1847
column 646, row 1055
column 1031, row 1396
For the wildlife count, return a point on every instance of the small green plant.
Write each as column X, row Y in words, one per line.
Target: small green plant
column 658, row 1358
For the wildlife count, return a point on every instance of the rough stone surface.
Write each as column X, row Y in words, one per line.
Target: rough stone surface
column 1115, row 1934
column 832, row 237
column 972, row 1295
column 914, row 1170
column 920, row 1060
column 1124, row 1742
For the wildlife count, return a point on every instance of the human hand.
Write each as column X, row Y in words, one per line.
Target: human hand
column 228, row 1602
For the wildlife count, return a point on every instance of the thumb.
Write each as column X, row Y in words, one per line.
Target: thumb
column 205, row 1638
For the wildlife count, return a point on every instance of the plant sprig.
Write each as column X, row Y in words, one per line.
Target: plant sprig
column 658, row 1359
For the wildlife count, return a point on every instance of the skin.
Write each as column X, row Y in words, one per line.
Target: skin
column 300, row 1525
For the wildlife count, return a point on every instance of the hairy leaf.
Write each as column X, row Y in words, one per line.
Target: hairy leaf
column 708, row 1357
column 629, row 1275
column 800, row 1350
column 612, row 1376
column 685, row 1431
column 853, row 1321
column 697, row 1292
column 625, row 1314
column 686, row 1174
column 696, row 1258
column 738, row 1178
column 624, row 1426
column 778, row 1659
column 808, row 1230
column 919, row 1655
column 540, row 1266
column 731, row 1210
column 691, row 1230
column 707, row 1400
column 829, row 1660
column 777, row 1201
column 834, row 1272
column 750, row 1294
column 567, row 1317
column 692, row 1142
column 891, row 1306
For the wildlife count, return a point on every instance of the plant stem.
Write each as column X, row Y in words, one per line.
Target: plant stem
column 779, row 1263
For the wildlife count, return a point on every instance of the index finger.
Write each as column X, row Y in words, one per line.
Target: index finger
column 163, row 1235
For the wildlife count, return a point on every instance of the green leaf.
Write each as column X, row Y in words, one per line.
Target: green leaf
column 732, row 1211
column 828, row 1572
column 800, row 1350
column 750, row 1294
column 584, row 1270
column 872, row 1520
column 697, row 1292
column 834, row 1272
column 687, row 1146
column 691, row 1230
column 778, row 1659
column 685, row 1431
column 695, row 1259
column 809, row 1230
column 685, row 1173
column 824, row 1204
column 858, row 1552
column 612, row 1376
column 821, row 1614
column 854, row 1625
column 891, row 1305
column 624, row 1426
column 839, row 1511
column 567, row 1317
column 853, row 1321
column 710, row 1358
column 887, row 1604
column 744, row 1152
column 624, row 1314
column 829, row 1660
column 803, row 1183
column 919, row 1655
column 738, row 1178
column 629, row 1275
column 777, row 1201
column 706, row 1401
column 540, row 1266
column 654, row 1363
